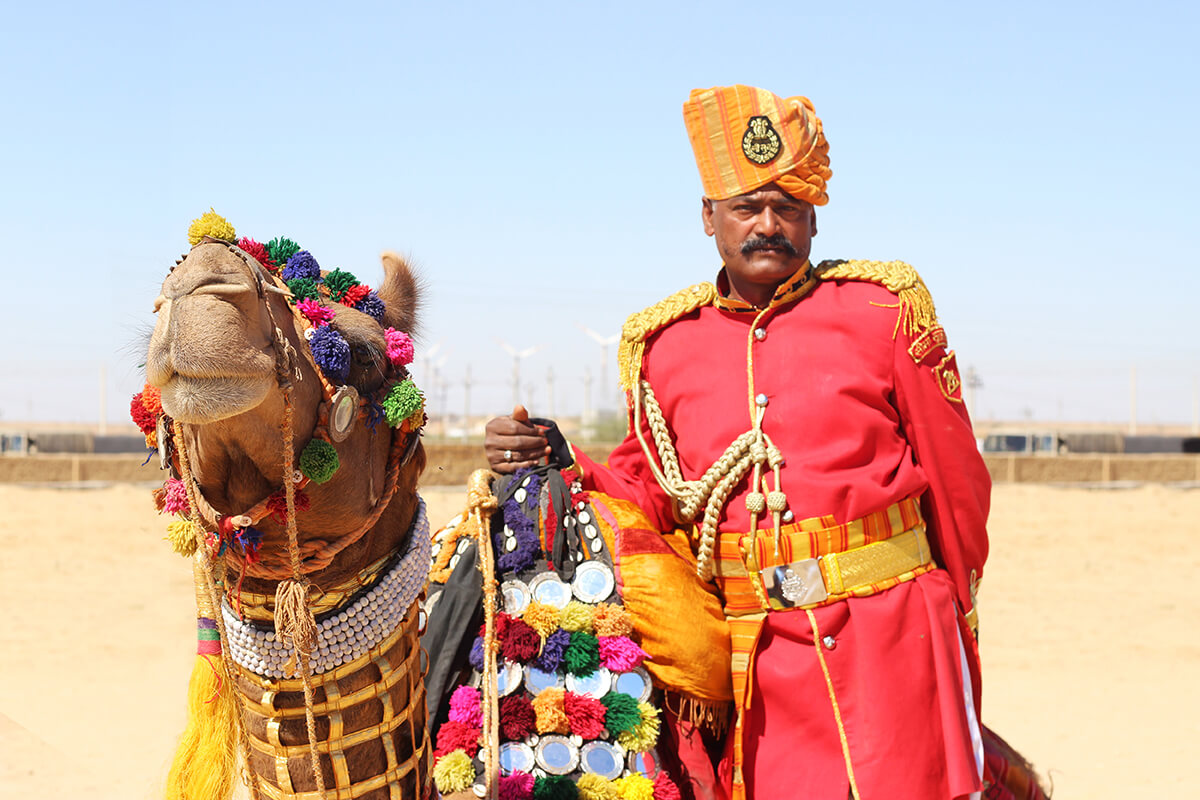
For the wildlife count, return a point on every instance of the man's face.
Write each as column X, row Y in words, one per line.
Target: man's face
column 763, row 236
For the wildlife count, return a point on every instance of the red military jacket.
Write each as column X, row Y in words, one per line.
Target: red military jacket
column 861, row 395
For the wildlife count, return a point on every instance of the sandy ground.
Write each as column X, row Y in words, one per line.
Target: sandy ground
column 1090, row 650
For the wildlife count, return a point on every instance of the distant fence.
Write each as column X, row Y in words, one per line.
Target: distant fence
column 452, row 464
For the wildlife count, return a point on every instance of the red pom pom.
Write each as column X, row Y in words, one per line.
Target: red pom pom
column 586, row 715
column 517, row 717
column 521, row 642
column 354, row 294
column 665, row 788
column 259, row 252
column 502, row 622
column 457, row 736
column 146, row 420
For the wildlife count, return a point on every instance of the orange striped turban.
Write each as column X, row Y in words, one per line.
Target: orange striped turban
column 745, row 138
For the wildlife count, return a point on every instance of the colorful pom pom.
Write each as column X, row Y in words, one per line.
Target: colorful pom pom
column 302, row 288
column 554, row 787
column 175, row 500
column 542, row 617
column 181, row 533
column 577, row 616
column 332, row 353
column 623, row 713
column 611, row 619
column 280, row 249
column 582, row 656
column 635, row 787
column 517, row 717
column 586, row 715
column 620, row 654
column 257, row 251
column 465, row 706
column 552, row 650
column 517, row 786
column 665, row 788
column 146, row 420
column 404, row 400
column 399, row 347
column 277, row 504
column 210, row 224
column 354, row 295
column 314, row 312
column 338, row 281
column 458, row 736
column 594, row 787
column 521, row 642
column 319, row 461
column 454, row 772
column 152, row 399
column 644, row 735
column 373, row 306
column 301, row 264
column 551, row 717
column 475, row 658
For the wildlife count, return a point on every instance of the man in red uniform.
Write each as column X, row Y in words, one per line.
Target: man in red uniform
column 806, row 425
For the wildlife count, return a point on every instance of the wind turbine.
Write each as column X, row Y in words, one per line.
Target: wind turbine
column 517, row 356
column 604, row 342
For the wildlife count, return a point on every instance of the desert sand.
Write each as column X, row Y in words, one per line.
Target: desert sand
column 1089, row 636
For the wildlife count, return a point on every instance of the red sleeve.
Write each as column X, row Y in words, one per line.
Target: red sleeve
column 934, row 418
column 627, row 475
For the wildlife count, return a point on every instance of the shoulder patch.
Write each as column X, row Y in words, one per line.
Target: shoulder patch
column 917, row 313
column 640, row 325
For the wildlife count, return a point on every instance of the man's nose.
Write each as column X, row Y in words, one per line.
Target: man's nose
column 766, row 223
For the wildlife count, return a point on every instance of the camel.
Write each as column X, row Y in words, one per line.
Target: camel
column 316, row 574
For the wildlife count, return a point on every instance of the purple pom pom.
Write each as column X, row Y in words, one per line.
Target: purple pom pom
column 552, row 650
column 476, row 656
column 302, row 265
column 331, row 353
column 372, row 306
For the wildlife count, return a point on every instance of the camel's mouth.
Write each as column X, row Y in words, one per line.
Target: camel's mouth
column 199, row 401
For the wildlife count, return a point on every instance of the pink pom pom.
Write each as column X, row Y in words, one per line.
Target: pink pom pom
column 665, row 788
column 399, row 346
column 620, row 654
column 175, row 499
column 465, row 707
column 518, row 786
column 314, row 312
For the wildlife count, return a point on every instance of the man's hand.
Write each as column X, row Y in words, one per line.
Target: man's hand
column 513, row 443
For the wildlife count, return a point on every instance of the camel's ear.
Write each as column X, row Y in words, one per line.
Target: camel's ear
column 401, row 293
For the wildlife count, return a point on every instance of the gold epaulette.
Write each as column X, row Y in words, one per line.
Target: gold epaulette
column 916, row 304
column 640, row 325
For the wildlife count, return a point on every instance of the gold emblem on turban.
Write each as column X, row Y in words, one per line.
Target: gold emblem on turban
column 760, row 143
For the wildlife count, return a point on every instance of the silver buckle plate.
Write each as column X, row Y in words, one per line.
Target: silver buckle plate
column 795, row 584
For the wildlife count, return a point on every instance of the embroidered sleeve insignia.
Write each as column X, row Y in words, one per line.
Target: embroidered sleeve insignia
column 948, row 380
column 928, row 342
column 760, row 142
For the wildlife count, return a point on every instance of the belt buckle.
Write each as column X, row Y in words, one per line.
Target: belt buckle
column 795, row 584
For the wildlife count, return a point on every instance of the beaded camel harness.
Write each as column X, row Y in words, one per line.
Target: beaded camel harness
column 364, row 647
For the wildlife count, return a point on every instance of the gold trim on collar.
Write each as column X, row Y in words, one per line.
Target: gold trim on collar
column 799, row 284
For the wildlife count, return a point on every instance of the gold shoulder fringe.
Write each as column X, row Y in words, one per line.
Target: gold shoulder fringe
column 640, row 325
column 917, row 313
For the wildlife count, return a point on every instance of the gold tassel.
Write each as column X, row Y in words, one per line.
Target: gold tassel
column 294, row 620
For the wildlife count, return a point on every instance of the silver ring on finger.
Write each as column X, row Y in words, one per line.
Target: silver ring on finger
column 508, row 455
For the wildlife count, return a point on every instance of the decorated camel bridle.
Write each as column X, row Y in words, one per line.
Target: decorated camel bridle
column 209, row 535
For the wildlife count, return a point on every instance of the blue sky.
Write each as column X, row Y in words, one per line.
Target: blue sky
column 1035, row 161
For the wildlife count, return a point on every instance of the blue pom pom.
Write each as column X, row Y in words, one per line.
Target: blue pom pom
column 476, row 656
column 331, row 353
column 552, row 651
column 302, row 265
column 372, row 306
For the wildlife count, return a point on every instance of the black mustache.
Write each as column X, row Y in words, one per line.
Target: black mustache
column 760, row 242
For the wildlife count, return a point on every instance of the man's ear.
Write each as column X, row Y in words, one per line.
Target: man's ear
column 813, row 224
column 706, row 213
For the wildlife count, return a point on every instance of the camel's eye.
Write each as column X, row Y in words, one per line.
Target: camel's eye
column 363, row 356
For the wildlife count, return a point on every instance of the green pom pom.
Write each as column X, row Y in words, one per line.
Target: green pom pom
column 339, row 282
column 302, row 288
column 281, row 249
column 582, row 655
column 555, row 787
column 404, row 400
column 622, row 713
column 319, row 461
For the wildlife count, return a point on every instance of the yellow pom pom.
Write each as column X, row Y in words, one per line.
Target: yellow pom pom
column 183, row 536
column 635, row 787
column 611, row 619
column 576, row 616
column 645, row 734
column 210, row 224
column 594, row 787
column 454, row 772
column 542, row 617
